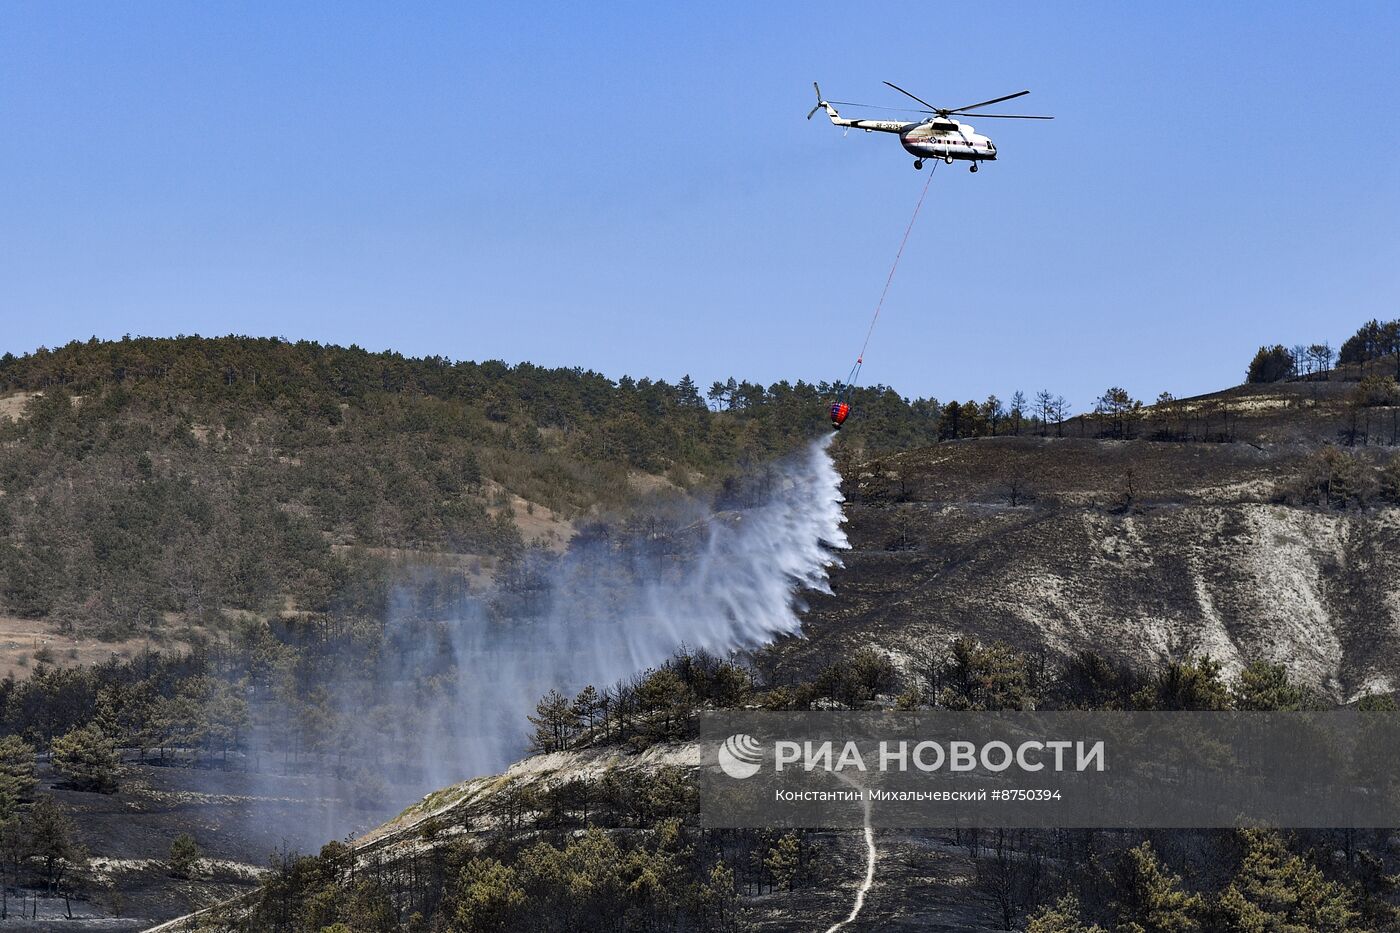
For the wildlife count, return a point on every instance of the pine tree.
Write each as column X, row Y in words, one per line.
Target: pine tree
column 974, row 677
column 554, row 722
column 17, row 778
column 719, row 900
column 586, row 707
column 1193, row 684
column 783, row 861
column 53, row 841
column 14, row 851
column 1120, row 409
column 688, row 393
column 1271, row 364
column 1378, row 703
column 1264, row 687
column 950, row 426
column 1150, row 898
column 87, row 758
column 993, row 412
column 1278, row 891
column 666, row 698
column 1062, row 917
column 489, row 898
column 225, row 715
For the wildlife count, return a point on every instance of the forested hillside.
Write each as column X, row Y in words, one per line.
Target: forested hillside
column 144, row 480
column 156, row 480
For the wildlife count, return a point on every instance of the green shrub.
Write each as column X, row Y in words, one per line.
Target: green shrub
column 184, row 856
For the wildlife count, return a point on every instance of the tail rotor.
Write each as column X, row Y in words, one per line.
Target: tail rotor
column 819, row 101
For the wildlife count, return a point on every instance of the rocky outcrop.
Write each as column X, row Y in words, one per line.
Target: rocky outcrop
column 1137, row 549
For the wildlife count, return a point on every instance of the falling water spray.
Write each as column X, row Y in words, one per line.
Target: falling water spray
column 726, row 581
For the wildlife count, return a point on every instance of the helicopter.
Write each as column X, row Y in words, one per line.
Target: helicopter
column 937, row 137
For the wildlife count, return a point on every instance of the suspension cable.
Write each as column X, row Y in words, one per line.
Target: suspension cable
column 874, row 318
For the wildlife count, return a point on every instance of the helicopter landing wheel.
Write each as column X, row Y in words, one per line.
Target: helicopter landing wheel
column 972, row 167
column 948, row 160
column 918, row 163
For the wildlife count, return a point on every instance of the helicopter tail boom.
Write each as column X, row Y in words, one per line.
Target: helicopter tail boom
column 877, row 126
column 882, row 126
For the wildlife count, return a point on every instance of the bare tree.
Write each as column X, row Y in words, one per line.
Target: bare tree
column 1300, row 352
column 1017, row 489
column 1044, row 408
column 1321, row 356
column 1061, row 409
column 1128, row 495
column 1009, row 878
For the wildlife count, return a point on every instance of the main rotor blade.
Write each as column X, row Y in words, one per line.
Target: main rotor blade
column 852, row 103
column 921, row 100
column 1004, row 116
column 987, row 103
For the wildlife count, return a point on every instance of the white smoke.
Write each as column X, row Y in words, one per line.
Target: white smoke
column 606, row 612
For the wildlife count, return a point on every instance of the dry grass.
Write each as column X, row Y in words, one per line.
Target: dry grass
column 648, row 483
column 12, row 406
column 26, row 642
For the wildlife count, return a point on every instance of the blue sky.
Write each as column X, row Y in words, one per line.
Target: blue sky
column 630, row 187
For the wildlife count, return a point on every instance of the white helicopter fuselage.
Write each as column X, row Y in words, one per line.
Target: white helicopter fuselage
column 939, row 138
